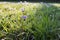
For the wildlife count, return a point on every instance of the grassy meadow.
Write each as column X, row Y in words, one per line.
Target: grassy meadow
column 29, row 21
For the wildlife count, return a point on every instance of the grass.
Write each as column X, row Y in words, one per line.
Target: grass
column 29, row 21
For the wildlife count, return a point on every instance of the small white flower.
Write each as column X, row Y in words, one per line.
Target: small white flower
column 20, row 1
column 22, row 9
column 2, row 39
column 25, row 1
